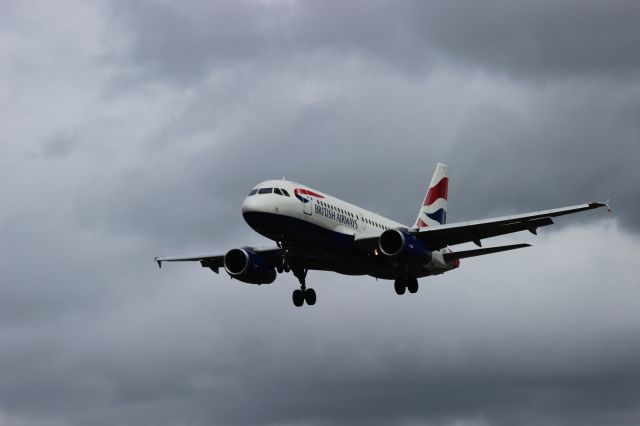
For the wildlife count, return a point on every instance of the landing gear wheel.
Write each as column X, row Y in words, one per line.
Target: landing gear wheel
column 298, row 298
column 279, row 269
column 400, row 287
column 310, row 296
column 412, row 285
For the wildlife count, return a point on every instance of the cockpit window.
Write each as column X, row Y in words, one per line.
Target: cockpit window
column 277, row 191
column 252, row 192
column 284, row 191
column 265, row 190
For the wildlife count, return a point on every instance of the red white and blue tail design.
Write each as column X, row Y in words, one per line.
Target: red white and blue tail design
column 434, row 208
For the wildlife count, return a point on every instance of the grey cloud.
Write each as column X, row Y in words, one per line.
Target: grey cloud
column 359, row 100
column 500, row 356
column 541, row 40
column 183, row 43
column 575, row 149
column 546, row 39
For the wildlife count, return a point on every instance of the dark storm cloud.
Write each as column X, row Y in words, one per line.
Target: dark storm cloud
column 183, row 42
column 546, row 39
column 135, row 129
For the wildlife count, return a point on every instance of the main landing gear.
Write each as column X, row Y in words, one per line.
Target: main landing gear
column 402, row 284
column 304, row 294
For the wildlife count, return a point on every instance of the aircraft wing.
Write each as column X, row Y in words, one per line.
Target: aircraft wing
column 216, row 261
column 438, row 237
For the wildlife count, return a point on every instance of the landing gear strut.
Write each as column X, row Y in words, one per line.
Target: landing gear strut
column 402, row 284
column 283, row 265
column 304, row 294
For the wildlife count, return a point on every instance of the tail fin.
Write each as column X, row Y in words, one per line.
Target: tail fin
column 434, row 208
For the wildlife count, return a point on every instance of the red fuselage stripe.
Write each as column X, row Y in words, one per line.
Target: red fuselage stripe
column 307, row 192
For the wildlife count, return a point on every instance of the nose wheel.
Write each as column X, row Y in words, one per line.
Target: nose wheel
column 303, row 294
column 283, row 265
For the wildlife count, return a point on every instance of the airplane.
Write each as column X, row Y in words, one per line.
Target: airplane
column 315, row 231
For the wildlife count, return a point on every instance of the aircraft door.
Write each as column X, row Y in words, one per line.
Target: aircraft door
column 362, row 223
column 308, row 207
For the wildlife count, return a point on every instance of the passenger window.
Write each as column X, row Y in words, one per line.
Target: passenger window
column 277, row 191
column 265, row 190
column 252, row 192
column 284, row 191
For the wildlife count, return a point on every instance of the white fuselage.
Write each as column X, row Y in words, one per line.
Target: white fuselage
column 279, row 208
column 321, row 209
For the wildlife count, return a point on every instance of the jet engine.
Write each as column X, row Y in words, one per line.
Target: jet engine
column 249, row 267
column 406, row 248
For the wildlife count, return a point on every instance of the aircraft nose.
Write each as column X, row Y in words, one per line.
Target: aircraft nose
column 253, row 204
column 252, row 209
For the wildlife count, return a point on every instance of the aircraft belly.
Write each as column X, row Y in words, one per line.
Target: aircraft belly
column 326, row 249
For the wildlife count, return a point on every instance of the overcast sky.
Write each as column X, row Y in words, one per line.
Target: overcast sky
column 134, row 129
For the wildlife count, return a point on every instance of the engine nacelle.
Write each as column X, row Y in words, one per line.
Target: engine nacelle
column 249, row 267
column 400, row 244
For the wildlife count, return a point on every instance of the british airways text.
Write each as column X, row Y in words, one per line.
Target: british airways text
column 338, row 217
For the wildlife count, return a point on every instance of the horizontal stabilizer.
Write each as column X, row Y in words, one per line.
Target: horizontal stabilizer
column 448, row 257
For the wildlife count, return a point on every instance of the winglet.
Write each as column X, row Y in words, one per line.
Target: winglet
column 157, row 259
column 597, row 204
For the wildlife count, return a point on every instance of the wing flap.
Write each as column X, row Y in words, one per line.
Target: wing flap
column 448, row 257
column 214, row 262
column 438, row 238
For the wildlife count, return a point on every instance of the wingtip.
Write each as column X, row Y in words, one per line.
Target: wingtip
column 158, row 261
column 597, row 204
